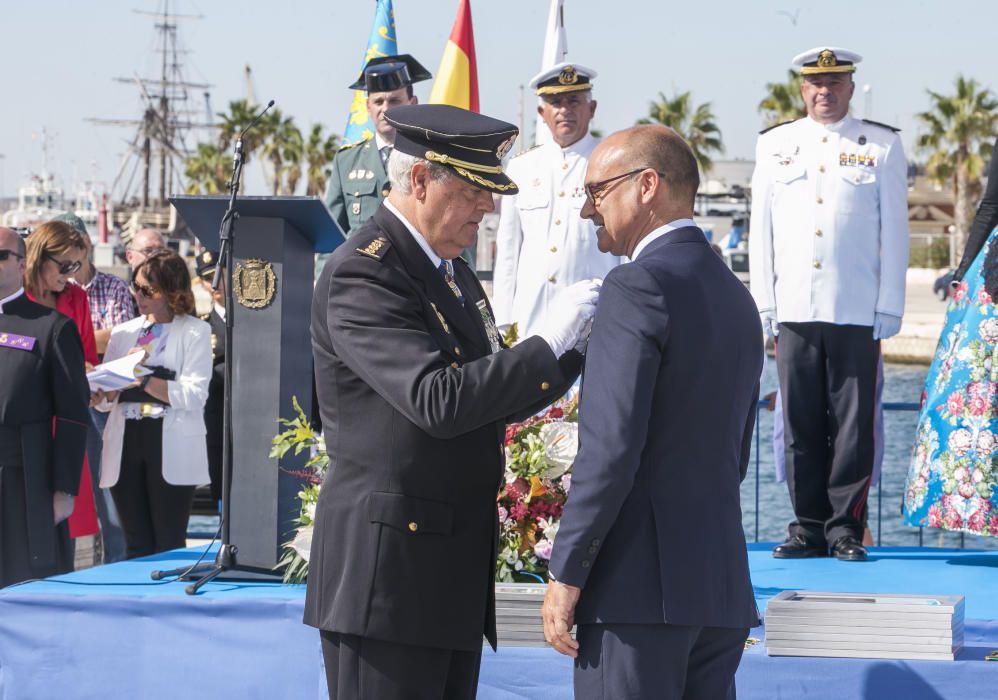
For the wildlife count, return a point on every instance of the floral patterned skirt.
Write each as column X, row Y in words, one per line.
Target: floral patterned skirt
column 952, row 481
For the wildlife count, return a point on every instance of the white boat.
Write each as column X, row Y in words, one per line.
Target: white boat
column 37, row 201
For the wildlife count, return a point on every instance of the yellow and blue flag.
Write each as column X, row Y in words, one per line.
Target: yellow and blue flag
column 382, row 43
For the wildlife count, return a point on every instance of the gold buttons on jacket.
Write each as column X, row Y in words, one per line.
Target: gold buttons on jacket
column 557, row 222
column 817, row 264
column 552, row 279
column 457, row 351
column 455, row 365
column 545, row 386
column 413, row 527
column 824, row 139
column 554, row 249
column 821, row 168
column 561, row 194
column 820, row 200
column 818, row 233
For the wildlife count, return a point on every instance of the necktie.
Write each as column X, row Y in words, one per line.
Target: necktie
column 385, row 152
column 449, row 279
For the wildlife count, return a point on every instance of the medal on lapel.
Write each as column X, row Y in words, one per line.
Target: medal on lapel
column 440, row 317
column 490, row 325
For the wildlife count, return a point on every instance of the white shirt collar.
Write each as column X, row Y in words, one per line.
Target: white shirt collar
column 434, row 258
column 12, row 297
column 219, row 309
column 834, row 126
column 658, row 233
column 379, row 142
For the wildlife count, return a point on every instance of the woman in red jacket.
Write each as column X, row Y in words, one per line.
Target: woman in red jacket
column 55, row 252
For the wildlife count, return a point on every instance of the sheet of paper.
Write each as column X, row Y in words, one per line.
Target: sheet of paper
column 117, row 374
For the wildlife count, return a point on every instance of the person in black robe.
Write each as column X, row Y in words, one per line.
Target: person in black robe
column 43, row 426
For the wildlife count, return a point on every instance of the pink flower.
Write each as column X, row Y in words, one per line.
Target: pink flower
column 982, row 296
column 978, row 390
column 518, row 489
column 965, row 490
column 960, row 441
column 954, row 404
column 960, row 292
column 960, row 474
column 976, row 476
column 921, row 401
column 543, row 549
column 556, row 412
column 953, row 520
column 976, row 521
column 935, row 516
column 518, row 511
column 566, row 483
column 993, row 525
column 977, row 406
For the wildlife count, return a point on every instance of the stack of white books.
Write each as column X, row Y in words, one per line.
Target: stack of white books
column 864, row 625
column 518, row 614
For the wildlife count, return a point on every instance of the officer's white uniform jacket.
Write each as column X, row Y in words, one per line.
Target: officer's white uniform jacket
column 828, row 239
column 542, row 243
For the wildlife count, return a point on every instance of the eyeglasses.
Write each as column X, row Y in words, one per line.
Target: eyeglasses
column 147, row 252
column 595, row 191
column 65, row 268
column 5, row 255
column 147, row 292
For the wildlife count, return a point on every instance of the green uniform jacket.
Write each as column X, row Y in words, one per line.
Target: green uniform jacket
column 357, row 185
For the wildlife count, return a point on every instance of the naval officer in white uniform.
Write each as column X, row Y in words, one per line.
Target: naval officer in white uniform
column 542, row 244
column 828, row 251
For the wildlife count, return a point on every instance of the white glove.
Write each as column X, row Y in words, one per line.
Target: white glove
column 770, row 326
column 62, row 506
column 563, row 325
column 885, row 325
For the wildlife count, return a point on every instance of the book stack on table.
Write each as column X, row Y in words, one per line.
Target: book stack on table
column 864, row 625
column 518, row 614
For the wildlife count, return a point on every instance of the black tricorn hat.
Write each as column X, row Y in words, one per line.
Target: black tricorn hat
column 387, row 73
column 207, row 261
column 472, row 145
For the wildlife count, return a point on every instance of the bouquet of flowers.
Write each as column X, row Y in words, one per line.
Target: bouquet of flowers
column 539, row 456
column 298, row 436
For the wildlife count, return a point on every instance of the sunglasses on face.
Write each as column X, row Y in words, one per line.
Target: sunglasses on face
column 65, row 268
column 146, row 291
column 6, row 254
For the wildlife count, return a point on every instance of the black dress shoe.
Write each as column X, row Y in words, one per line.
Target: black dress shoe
column 848, row 548
column 796, row 547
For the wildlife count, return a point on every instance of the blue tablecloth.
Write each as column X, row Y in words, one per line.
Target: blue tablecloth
column 110, row 632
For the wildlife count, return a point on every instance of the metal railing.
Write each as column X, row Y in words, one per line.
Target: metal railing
column 888, row 406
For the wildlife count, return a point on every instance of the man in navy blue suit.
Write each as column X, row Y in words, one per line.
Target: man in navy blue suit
column 650, row 560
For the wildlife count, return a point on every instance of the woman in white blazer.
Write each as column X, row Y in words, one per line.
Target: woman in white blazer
column 154, row 441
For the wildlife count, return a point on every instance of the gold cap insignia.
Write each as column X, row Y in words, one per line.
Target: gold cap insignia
column 254, row 283
column 568, row 76
column 826, row 59
column 206, row 256
column 505, row 146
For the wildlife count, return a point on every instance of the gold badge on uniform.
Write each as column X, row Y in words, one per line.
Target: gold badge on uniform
column 490, row 324
column 440, row 317
column 568, row 76
column 254, row 283
column 355, row 208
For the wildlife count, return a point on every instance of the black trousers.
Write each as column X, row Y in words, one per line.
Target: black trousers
column 213, row 443
column 361, row 668
column 828, row 380
column 665, row 662
column 153, row 512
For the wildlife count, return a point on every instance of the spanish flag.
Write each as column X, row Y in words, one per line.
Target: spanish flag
column 457, row 77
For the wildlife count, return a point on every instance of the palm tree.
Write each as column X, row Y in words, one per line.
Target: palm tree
column 207, row 170
column 283, row 149
column 319, row 153
column 239, row 116
column 696, row 125
column 958, row 132
column 292, row 147
column 783, row 101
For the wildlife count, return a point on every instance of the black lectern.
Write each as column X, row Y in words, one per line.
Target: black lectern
column 273, row 253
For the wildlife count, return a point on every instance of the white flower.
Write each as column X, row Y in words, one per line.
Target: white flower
column 986, row 442
column 988, row 329
column 302, row 543
column 960, row 441
column 561, row 444
column 310, row 511
column 566, row 483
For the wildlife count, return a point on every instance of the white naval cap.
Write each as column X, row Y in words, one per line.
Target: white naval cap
column 563, row 77
column 826, row 59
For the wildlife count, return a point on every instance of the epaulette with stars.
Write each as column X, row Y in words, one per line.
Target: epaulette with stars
column 376, row 248
column 776, row 126
column 348, row 146
column 522, row 153
column 882, row 125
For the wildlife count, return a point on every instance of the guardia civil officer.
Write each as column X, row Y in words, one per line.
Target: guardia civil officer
column 543, row 245
column 358, row 181
column 207, row 262
column 828, row 250
column 43, row 426
column 415, row 389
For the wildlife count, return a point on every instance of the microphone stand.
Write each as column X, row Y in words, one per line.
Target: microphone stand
column 226, row 558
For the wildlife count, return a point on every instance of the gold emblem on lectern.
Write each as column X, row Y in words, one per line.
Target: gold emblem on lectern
column 254, row 283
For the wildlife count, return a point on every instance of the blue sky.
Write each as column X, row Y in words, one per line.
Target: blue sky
column 60, row 56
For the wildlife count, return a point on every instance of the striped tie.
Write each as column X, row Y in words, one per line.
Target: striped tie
column 449, row 279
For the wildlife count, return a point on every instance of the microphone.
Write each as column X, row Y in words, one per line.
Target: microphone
column 256, row 120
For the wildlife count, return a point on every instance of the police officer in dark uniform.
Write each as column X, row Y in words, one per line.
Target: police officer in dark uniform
column 359, row 180
column 43, row 426
column 207, row 261
column 415, row 390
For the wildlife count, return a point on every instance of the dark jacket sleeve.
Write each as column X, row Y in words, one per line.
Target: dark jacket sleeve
column 71, row 396
column 984, row 222
column 625, row 351
column 753, row 412
column 378, row 328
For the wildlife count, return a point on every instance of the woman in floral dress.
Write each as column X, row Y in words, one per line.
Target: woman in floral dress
column 952, row 482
